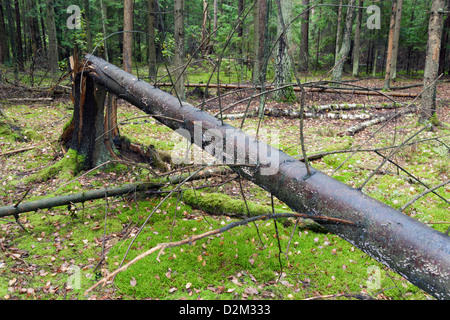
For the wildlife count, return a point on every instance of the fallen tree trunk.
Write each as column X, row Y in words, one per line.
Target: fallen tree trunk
column 417, row 252
column 73, row 198
column 380, row 119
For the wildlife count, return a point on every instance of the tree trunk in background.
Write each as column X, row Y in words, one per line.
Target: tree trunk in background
column 258, row 40
column 357, row 45
column 103, row 10
column 240, row 28
column 179, row 48
column 4, row 48
column 11, row 35
column 87, row 22
column 43, row 29
column 283, row 68
column 444, row 42
column 215, row 19
column 127, row 35
column 34, row 30
column 387, row 76
column 430, row 73
column 304, row 37
column 18, row 36
column 345, row 47
column 52, row 40
column 205, row 46
column 338, row 32
column 152, row 71
column 398, row 22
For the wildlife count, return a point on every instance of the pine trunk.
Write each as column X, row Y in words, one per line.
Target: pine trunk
column 304, row 37
column 430, row 74
column 152, row 71
column 52, row 40
column 345, row 47
column 283, row 68
column 179, row 49
column 395, row 48
column 127, row 35
column 356, row 47
column 387, row 76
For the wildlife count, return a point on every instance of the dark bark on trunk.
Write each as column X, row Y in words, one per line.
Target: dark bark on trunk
column 412, row 249
column 88, row 137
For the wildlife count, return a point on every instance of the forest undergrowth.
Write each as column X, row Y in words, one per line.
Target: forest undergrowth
column 61, row 252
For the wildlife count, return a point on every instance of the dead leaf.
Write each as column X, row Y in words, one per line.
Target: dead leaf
column 250, row 291
column 235, row 281
column 133, row 282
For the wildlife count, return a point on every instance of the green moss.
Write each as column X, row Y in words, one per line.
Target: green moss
column 7, row 134
column 70, row 165
column 219, row 203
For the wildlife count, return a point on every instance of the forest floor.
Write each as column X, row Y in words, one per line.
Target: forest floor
column 59, row 254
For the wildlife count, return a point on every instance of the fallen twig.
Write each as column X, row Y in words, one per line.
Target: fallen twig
column 410, row 202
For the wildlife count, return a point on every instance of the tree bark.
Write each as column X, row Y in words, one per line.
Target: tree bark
column 304, row 37
column 387, row 76
column 12, row 40
column 152, row 71
column 409, row 247
column 52, row 39
column 356, row 47
column 128, row 35
column 345, row 48
column 4, row 47
column 283, row 68
column 87, row 21
column 179, row 48
column 432, row 60
column 103, row 10
column 19, row 36
column 259, row 41
column 396, row 46
column 337, row 46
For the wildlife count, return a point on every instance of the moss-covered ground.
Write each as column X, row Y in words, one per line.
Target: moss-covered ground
column 59, row 255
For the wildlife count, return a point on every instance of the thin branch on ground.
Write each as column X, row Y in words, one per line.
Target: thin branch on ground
column 423, row 193
column 160, row 247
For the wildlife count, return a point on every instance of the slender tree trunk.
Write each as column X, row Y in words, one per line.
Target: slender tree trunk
column 34, row 30
column 19, row 43
column 240, row 28
column 387, row 76
column 127, row 35
column 444, row 42
column 4, row 48
column 215, row 19
column 52, row 40
column 345, row 48
column 283, row 68
column 87, row 21
column 356, row 47
column 179, row 48
column 259, row 40
column 43, row 29
column 338, row 32
column 12, row 40
column 432, row 60
column 205, row 40
column 151, row 41
column 304, row 37
column 398, row 22
column 103, row 10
